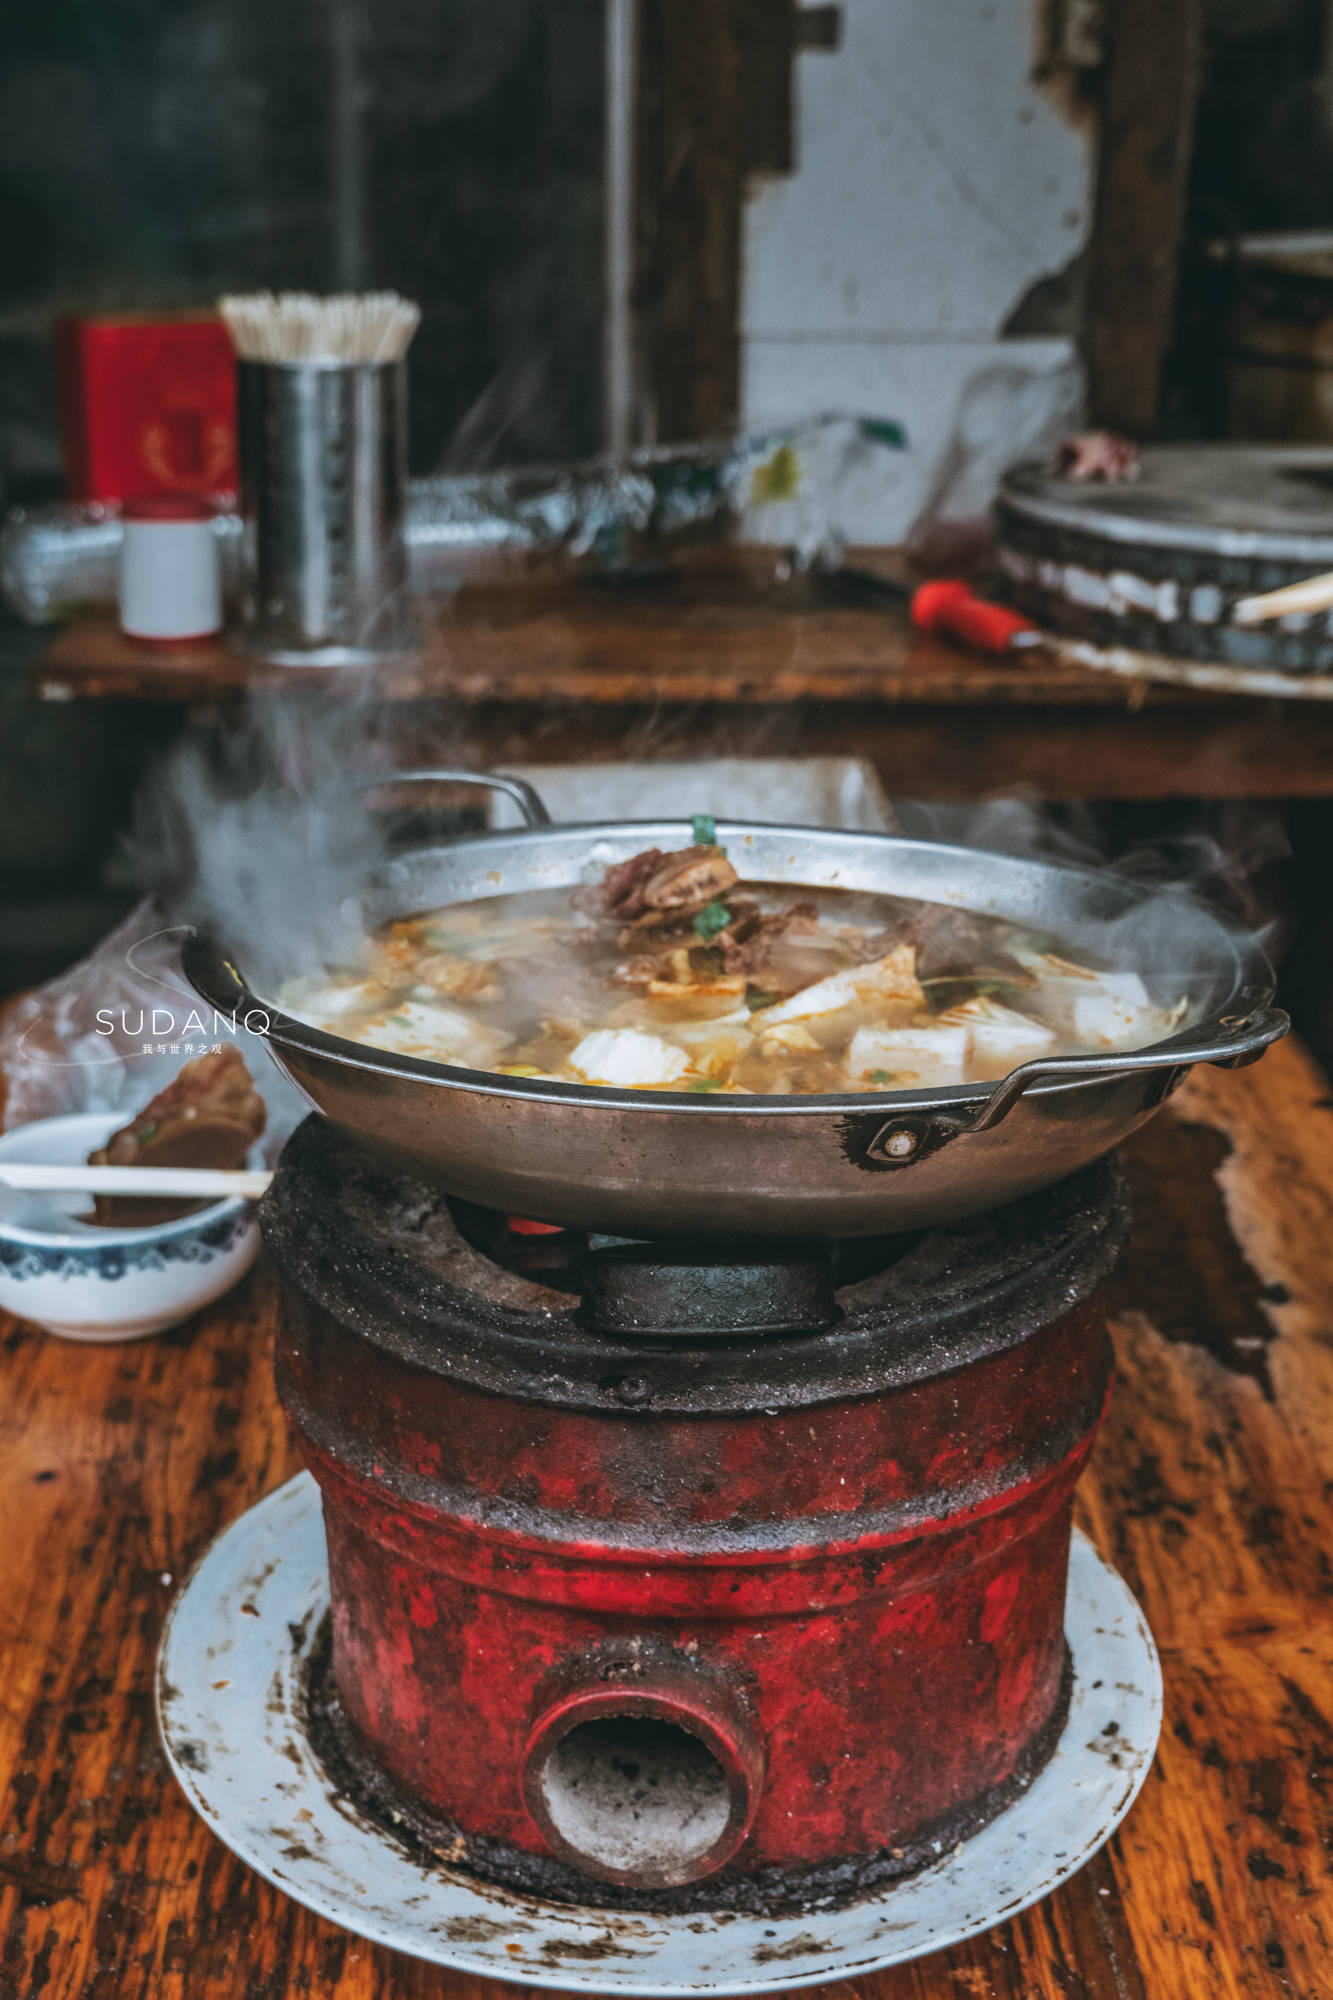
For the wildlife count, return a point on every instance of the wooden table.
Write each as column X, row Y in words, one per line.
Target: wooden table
column 723, row 661
column 1209, row 1490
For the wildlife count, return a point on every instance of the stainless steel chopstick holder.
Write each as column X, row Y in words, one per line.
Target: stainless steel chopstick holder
column 323, row 452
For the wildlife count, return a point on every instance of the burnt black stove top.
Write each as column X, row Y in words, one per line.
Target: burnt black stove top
column 597, row 1322
column 670, row 1293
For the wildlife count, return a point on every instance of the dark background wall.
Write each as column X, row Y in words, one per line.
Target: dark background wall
column 153, row 153
column 156, row 152
column 1262, row 159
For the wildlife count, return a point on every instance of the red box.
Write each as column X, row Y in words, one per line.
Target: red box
column 148, row 406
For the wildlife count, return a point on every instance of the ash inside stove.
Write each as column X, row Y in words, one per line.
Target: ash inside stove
column 631, row 1791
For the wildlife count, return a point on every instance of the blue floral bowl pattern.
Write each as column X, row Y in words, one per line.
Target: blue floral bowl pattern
column 89, row 1283
column 115, row 1260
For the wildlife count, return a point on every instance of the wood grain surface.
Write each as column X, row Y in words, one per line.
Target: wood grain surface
column 1209, row 1490
column 727, row 639
column 724, row 662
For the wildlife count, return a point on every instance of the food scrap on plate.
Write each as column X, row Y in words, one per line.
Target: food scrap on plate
column 209, row 1115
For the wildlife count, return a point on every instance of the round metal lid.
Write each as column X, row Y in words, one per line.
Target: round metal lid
column 1270, row 501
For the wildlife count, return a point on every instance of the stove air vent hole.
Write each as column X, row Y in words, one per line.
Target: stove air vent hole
column 636, row 1795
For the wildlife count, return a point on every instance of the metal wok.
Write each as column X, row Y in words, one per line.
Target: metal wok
column 655, row 1164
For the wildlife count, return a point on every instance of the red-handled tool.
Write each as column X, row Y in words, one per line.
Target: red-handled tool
column 945, row 604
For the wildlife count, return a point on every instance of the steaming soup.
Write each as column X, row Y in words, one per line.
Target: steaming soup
column 673, row 974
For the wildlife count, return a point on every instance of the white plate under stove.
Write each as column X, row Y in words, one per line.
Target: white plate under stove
column 231, row 1704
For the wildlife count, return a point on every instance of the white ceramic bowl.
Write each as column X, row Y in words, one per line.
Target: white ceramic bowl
column 88, row 1283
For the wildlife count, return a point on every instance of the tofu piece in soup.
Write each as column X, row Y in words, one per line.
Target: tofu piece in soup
column 434, row 1032
column 908, row 1058
column 1099, row 1009
column 1000, row 1036
column 324, row 1003
column 626, row 1058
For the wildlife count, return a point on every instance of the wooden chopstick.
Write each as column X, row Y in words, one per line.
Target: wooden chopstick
column 216, row 1182
column 1314, row 594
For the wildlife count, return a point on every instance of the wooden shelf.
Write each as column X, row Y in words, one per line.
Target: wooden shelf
column 723, row 660
column 716, row 633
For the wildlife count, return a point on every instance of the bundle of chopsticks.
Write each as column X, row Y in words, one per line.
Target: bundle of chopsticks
column 349, row 327
column 1314, row 593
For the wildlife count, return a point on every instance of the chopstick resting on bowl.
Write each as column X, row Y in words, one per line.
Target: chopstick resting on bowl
column 188, row 1182
column 1315, row 593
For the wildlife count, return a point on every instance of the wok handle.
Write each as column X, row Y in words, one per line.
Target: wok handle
column 519, row 790
column 1241, row 1039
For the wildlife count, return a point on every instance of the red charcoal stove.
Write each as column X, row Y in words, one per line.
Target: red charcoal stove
column 688, row 1580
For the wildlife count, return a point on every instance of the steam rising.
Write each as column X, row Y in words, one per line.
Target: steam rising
column 1167, row 937
column 260, row 834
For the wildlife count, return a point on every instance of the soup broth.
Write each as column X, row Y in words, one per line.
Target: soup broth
column 674, row 974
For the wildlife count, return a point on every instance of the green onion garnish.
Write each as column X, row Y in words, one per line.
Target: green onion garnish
column 882, row 1075
column 705, row 1083
column 714, row 917
column 146, row 1132
column 705, row 830
column 757, row 1001
column 400, row 1020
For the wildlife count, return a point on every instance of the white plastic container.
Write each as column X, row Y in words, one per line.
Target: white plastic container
column 170, row 574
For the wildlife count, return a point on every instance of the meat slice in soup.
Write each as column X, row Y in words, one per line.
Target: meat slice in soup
column 956, row 944
column 791, row 949
column 672, row 973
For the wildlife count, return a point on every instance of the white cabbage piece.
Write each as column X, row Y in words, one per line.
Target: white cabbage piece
column 477, row 934
column 625, row 1057
column 714, row 1045
column 790, row 1038
column 908, row 1058
column 456, row 978
column 735, row 1018
column 516, row 939
column 890, row 978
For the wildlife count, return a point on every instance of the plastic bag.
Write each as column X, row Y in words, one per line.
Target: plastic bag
column 111, row 1031
column 1016, row 409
